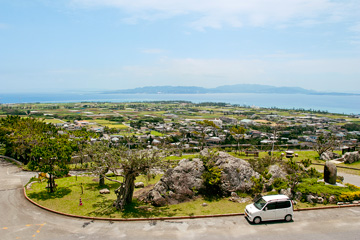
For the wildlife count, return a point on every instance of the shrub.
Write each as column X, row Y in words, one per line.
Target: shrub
column 279, row 184
column 349, row 196
column 258, row 185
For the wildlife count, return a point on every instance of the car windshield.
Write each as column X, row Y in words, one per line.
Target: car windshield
column 259, row 204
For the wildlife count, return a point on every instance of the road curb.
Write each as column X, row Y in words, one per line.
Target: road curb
column 172, row 218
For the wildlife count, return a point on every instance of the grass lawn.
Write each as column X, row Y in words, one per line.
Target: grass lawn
column 54, row 120
column 156, row 133
column 66, row 199
column 110, row 124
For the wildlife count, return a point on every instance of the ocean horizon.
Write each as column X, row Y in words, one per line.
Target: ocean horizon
column 348, row 104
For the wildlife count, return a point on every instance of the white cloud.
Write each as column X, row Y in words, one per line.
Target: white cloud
column 235, row 13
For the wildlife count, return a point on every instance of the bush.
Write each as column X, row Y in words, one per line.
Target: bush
column 280, row 184
column 311, row 186
column 349, row 196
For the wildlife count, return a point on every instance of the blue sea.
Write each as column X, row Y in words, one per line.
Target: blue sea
column 349, row 104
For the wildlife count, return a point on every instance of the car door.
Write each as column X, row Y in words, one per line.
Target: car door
column 282, row 209
column 269, row 212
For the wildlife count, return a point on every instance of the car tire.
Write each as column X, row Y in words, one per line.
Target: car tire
column 257, row 220
column 288, row 218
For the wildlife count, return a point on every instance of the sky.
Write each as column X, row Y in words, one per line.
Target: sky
column 93, row 45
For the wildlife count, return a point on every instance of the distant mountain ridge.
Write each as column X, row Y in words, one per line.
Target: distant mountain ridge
column 238, row 88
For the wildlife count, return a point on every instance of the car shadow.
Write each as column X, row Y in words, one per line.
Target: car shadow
column 269, row 222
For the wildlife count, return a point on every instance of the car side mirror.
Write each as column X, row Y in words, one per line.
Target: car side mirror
column 265, row 209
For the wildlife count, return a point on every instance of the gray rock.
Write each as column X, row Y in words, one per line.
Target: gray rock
column 332, row 199
column 329, row 155
column 139, row 185
column 276, row 172
column 234, row 195
column 320, row 200
column 204, row 204
column 287, row 192
column 236, row 173
column 104, row 191
column 310, row 198
column 180, row 183
column 351, row 157
column 298, row 196
column 330, row 172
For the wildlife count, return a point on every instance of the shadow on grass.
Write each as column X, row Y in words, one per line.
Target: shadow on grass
column 59, row 192
column 103, row 208
column 136, row 209
column 95, row 186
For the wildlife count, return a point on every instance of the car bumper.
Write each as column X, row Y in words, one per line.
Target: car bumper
column 249, row 217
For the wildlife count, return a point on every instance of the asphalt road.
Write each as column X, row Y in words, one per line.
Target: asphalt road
column 19, row 219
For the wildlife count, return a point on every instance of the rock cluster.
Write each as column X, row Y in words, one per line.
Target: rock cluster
column 181, row 183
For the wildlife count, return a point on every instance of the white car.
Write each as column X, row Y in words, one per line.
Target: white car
column 272, row 207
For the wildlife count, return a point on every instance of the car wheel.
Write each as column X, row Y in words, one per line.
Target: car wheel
column 288, row 218
column 257, row 220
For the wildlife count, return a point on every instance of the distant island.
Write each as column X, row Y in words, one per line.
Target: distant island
column 238, row 88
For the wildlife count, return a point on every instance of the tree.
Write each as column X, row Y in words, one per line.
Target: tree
column 238, row 133
column 51, row 156
column 101, row 156
column 297, row 171
column 203, row 128
column 211, row 175
column 324, row 143
column 20, row 135
column 133, row 163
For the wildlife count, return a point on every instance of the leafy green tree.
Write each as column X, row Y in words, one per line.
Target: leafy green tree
column 20, row 135
column 51, row 156
column 132, row 163
column 211, row 176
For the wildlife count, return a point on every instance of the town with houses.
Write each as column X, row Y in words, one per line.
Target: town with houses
column 188, row 125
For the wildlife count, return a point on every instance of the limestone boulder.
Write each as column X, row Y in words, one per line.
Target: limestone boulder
column 182, row 183
column 236, row 173
column 287, row 192
column 351, row 157
column 276, row 172
column 332, row 199
column 330, row 172
column 178, row 184
column 329, row 155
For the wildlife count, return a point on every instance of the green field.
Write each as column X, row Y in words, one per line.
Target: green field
column 110, row 124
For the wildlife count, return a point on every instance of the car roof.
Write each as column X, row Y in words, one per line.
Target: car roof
column 275, row 197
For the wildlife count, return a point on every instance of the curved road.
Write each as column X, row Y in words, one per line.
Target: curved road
column 22, row 220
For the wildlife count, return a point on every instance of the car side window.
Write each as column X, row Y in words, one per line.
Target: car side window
column 271, row 206
column 285, row 204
